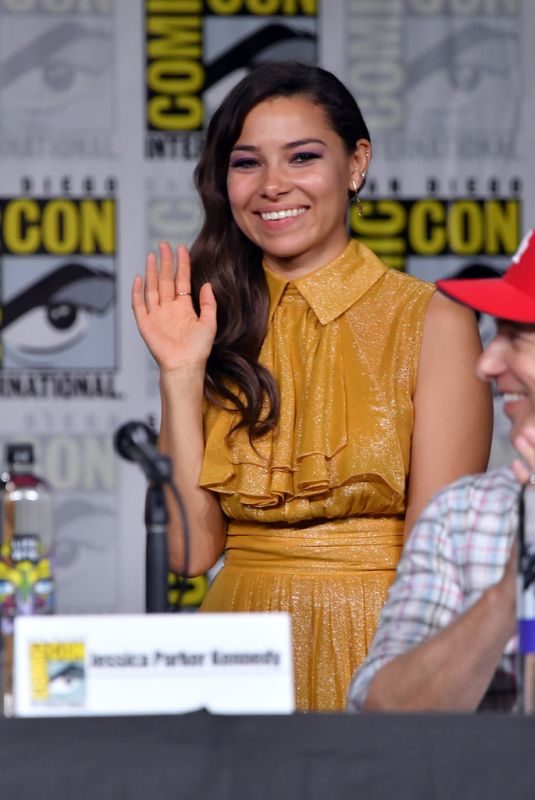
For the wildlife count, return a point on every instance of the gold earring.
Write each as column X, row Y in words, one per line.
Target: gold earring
column 358, row 204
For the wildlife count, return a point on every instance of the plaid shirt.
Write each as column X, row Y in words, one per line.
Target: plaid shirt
column 457, row 549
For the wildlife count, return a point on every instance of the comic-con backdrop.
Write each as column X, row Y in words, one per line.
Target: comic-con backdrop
column 103, row 107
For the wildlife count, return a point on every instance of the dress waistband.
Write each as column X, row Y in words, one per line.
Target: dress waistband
column 356, row 543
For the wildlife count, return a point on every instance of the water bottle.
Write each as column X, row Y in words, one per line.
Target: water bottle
column 26, row 548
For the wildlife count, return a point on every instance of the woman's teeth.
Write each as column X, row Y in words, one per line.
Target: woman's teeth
column 289, row 212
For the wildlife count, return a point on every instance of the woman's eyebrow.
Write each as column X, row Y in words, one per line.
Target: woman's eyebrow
column 250, row 148
column 288, row 146
column 301, row 142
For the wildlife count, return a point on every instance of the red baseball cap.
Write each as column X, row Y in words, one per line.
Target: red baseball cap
column 510, row 297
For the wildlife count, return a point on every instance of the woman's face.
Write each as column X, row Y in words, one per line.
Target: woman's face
column 288, row 178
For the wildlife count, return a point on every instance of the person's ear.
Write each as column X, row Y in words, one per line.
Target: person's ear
column 360, row 163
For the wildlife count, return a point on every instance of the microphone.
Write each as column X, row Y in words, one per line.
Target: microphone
column 135, row 441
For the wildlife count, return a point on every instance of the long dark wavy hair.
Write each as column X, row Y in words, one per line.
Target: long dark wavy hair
column 223, row 255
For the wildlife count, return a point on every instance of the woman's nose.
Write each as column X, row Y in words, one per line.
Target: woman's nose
column 275, row 182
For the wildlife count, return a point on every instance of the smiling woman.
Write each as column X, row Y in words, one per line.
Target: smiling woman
column 288, row 183
column 312, row 398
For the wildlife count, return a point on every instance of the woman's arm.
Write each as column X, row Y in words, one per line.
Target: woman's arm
column 181, row 341
column 452, row 407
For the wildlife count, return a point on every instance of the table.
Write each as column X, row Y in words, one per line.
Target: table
column 312, row 756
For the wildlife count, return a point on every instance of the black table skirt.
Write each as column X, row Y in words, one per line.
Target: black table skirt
column 323, row 757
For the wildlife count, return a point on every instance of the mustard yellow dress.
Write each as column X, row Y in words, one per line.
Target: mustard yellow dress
column 315, row 510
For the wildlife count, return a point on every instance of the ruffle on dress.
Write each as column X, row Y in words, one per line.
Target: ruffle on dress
column 337, row 425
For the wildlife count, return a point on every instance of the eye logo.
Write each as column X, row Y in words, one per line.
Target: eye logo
column 66, row 681
column 204, row 55
column 57, row 287
column 58, row 674
column 59, row 319
column 461, row 65
column 57, row 76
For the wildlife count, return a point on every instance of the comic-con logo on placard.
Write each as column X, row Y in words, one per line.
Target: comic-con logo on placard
column 428, row 80
column 57, row 78
column 58, row 674
column 432, row 234
column 57, row 295
column 195, row 51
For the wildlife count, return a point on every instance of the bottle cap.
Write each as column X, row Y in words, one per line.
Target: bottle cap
column 19, row 453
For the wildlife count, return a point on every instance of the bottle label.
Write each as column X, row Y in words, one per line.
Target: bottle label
column 26, row 583
column 25, row 547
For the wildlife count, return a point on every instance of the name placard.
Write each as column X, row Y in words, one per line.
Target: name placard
column 153, row 664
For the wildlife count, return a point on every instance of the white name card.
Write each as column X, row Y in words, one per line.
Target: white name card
column 153, row 664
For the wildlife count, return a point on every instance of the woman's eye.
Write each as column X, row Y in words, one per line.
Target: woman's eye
column 302, row 158
column 243, row 163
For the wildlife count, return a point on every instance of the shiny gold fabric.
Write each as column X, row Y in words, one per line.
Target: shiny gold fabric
column 316, row 507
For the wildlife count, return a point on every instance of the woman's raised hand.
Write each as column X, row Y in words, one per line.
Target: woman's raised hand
column 175, row 335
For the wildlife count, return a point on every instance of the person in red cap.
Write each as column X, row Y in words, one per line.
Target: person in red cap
column 446, row 637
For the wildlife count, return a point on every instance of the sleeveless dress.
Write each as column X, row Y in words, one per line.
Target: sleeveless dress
column 315, row 509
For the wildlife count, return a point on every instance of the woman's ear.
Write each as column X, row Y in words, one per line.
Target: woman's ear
column 360, row 163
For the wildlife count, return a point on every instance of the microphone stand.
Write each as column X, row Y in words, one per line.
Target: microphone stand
column 156, row 561
column 156, row 519
column 135, row 441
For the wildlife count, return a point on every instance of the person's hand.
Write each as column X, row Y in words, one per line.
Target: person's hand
column 164, row 313
column 524, row 443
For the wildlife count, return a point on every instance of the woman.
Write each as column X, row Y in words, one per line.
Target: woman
column 301, row 379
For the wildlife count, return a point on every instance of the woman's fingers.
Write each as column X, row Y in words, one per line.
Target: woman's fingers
column 183, row 273
column 208, row 306
column 138, row 302
column 163, row 284
column 164, row 312
column 151, row 290
column 167, row 273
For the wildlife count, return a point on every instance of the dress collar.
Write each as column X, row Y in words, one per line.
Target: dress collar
column 332, row 289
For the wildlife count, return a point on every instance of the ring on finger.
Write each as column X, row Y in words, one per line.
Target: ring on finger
column 183, row 294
